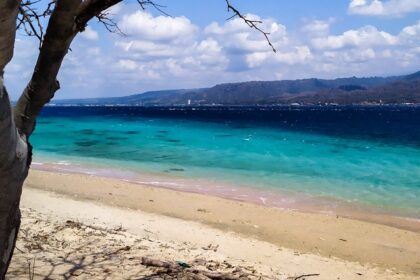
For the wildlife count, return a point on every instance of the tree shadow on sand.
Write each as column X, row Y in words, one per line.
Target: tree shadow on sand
column 49, row 249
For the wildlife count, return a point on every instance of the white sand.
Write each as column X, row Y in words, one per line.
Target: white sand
column 62, row 246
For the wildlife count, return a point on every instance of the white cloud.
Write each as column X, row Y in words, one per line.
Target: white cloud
column 359, row 56
column 209, row 46
column 146, row 26
column 410, row 34
column 383, row 7
column 367, row 36
column 236, row 36
column 166, row 49
column 115, row 9
column 146, row 49
column 317, row 27
column 127, row 64
column 90, row 34
column 20, row 69
column 299, row 55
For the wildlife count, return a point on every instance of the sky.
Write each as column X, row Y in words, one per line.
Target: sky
column 196, row 46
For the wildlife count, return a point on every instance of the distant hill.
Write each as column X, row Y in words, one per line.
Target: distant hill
column 398, row 92
column 146, row 98
column 389, row 90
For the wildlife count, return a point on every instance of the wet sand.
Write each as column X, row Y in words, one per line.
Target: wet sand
column 265, row 197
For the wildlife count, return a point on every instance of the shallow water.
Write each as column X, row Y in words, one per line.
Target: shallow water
column 358, row 156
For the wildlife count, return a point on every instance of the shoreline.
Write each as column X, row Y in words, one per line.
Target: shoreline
column 267, row 198
column 320, row 234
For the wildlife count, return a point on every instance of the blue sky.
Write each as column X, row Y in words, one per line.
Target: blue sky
column 197, row 47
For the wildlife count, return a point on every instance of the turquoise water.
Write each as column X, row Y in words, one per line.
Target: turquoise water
column 360, row 171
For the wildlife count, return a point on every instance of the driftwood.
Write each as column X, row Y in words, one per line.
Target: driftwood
column 181, row 272
column 157, row 263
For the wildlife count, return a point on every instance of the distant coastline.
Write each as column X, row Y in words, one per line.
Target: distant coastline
column 342, row 91
column 257, row 106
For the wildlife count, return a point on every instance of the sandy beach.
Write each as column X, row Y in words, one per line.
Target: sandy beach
column 89, row 227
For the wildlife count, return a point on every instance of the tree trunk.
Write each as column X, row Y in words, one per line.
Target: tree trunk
column 8, row 14
column 13, row 148
column 15, row 157
column 13, row 171
column 68, row 18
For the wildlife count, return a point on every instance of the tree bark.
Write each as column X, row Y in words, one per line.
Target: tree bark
column 8, row 14
column 13, row 171
column 14, row 151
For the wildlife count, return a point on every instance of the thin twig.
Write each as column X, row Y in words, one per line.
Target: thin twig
column 306, row 275
column 109, row 23
column 251, row 23
column 33, row 270
column 158, row 7
column 30, row 19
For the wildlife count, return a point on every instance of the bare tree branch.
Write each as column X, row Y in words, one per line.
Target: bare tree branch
column 30, row 19
column 94, row 8
column 158, row 7
column 110, row 25
column 60, row 33
column 251, row 23
column 31, row 31
column 97, row 8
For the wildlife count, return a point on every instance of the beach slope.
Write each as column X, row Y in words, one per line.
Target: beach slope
column 87, row 227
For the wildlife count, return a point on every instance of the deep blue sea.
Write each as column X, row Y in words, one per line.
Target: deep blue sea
column 366, row 157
